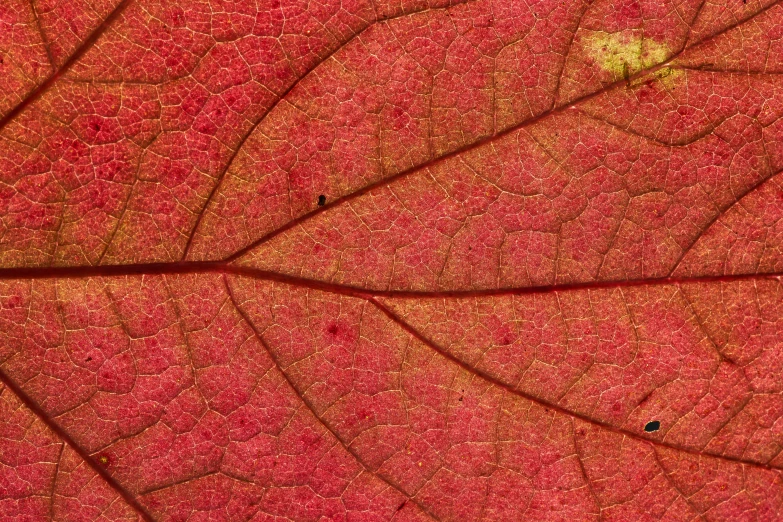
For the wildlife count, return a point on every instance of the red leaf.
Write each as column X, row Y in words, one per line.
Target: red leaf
column 372, row 260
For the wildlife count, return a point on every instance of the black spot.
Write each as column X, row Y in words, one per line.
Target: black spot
column 89, row 359
column 652, row 426
column 321, row 200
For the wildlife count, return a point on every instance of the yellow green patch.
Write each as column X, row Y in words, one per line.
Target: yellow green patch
column 625, row 54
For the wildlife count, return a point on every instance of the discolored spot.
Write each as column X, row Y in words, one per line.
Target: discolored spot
column 652, row 426
column 625, row 54
column 104, row 460
column 321, row 200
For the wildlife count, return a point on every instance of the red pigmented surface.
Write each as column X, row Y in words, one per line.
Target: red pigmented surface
column 391, row 260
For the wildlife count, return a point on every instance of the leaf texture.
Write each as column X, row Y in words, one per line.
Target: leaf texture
column 391, row 260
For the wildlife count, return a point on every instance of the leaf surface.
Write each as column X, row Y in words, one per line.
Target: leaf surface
column 379, row 259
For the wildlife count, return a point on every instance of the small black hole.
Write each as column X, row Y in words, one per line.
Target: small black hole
column 321, row 200
column 652, row 426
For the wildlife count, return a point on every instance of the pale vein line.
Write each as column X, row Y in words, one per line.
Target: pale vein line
column 559, row 409
column 310, row 407
column 97, row 468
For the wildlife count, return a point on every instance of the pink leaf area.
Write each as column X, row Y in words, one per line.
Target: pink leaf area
column 374, row 260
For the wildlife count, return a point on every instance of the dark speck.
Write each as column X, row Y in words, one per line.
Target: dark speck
column 89, row 359
column 321, row 200
column 652, row 426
